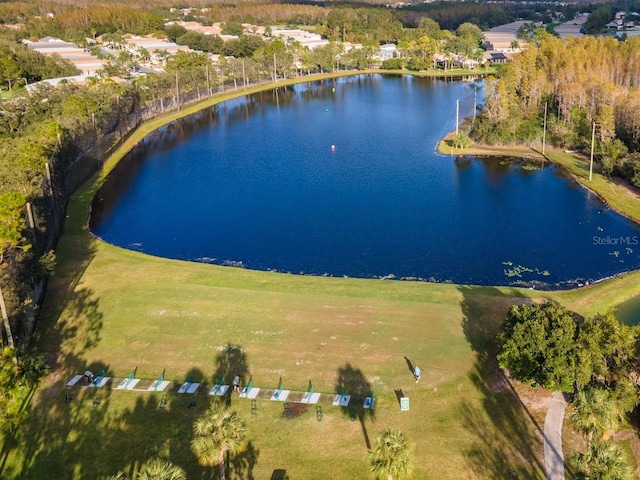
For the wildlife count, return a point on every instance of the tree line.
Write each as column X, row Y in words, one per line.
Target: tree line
column 604, row 13
column 348, row 21
column 579, row 82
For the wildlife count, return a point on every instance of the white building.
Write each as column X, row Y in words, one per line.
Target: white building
column 86, row 63
column 387, row 52
column 303, row 37
column 158, row 48
column 54, row 82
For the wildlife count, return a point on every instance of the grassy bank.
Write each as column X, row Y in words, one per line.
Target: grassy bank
column 122, row 311
column 615, row 193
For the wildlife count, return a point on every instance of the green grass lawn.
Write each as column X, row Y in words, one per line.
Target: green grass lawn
column 118, row 310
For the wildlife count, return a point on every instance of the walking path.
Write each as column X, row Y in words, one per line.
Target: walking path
column 553, row 454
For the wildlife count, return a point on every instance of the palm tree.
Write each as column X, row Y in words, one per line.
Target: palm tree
column 157, row 469
column 595, row 413
column 217, row 432
column 117, row 476
column 392, row 457
column 602, row 461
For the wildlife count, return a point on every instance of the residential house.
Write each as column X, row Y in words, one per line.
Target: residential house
column 387, row 52
column 495, row 57
column 86, row 63
column 303, row 37
column 159, row 49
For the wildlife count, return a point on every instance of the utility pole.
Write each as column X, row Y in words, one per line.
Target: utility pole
column 274, row 67
column 5, row 320
column 593, row 140
column 244, row 76
column 177, row 91
column 475, row 102
column 208, row 81
column 544, row 130
column 32, row 223
column 457, row 115
column 47, row 170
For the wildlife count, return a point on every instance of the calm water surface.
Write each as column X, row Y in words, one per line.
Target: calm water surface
column 341, row 178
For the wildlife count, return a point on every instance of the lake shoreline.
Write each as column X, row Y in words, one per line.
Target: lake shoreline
column 573, row 163
column 514, row 264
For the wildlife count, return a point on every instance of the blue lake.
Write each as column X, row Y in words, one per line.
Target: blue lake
column 341, row 178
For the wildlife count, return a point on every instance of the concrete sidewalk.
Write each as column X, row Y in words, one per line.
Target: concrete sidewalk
column 553, row 454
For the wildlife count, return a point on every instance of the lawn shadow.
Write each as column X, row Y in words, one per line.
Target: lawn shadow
column 399, row 395
column 410, row 365
column 194, row 375
column 241, row 465
column 231, row 361
column 78, row 324
column 351, row 381
column 70, row 311
column 74, row 322
column 51, row 435
column 89, row 438
column 507, row 438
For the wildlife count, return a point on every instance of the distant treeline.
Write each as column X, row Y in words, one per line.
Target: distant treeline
column 606, row 12
column 582, row 81
column 74, row 21
column 487, row 15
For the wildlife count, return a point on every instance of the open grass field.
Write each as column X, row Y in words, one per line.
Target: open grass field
column 118, row 310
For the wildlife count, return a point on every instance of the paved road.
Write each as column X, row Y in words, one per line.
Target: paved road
column 553, row 455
